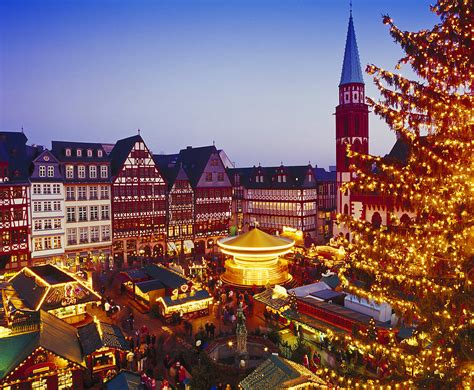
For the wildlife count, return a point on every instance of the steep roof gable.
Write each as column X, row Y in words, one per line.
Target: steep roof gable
column 351, row 70
column 194, row 161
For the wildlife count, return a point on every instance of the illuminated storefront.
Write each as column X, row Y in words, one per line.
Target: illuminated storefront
column 104, row 346
column 169, row 290
column 49, row 288
column 48, row 356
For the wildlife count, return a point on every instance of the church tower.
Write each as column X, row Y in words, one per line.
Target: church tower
column 352, row 118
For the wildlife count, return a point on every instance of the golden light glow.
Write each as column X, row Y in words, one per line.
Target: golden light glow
column 255, row 259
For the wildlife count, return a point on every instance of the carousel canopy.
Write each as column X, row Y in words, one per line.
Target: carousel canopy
column 256, row 240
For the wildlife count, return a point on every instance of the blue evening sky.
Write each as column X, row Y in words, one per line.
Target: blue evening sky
column 260, row 78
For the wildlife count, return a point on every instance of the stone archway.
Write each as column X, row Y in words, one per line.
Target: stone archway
column 158, row 250
column 200, row 247
column 405, row 220
column 376, row 220
column 147, row 251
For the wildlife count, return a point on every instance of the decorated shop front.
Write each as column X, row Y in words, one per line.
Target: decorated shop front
column 105, row 347
column 47, row 357
column 52, row 289
column 167, row 291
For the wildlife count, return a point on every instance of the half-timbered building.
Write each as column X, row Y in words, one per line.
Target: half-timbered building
column 276, row 198
column 14, row 201
column 180, row 210
column 212, row 195
column 47, row 208
column 86, row 173
column 138, row 201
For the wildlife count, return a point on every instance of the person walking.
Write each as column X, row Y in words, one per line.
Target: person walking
column 107, row 308
column 130, row 358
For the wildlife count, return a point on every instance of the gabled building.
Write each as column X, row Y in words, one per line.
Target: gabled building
column 138, row 201
column 276, row 198
column 47, row 356
column 14, row 201
column 212, row 195
column 86, row 174
column 47, row 209
column 180, row 210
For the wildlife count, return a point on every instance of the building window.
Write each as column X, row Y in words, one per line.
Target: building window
column 42, row 171
column 36, row 189
column 71, row 236
column 89, row 153
column 82, row 211
column 105, row 233
column 50, row 171
column 93, row 192
column 94, row 231
column 47, row 189
column 37, row 207
column 79, row 153
column 83, row 235
column 71, row 214
column 48, row 224
column 68, row 152
column 65, row 381
column 93, row 171
column 104, row 212
column 220, row 176
column 81, row 193
column 56, row 242
column 47, row 206
column 56, row 189
column 94, row 213
column 48, row 243
column 208, row 176
column 56, row 205
column 70, row 193
column 104, row 192
column 38, row 224
column 104, row 172
column 99, row 153
column 81, row 173
column 57, row 223
column 38, row 244
column 69, row 172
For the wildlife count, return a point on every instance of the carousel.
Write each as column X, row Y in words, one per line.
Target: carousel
column 255, row 259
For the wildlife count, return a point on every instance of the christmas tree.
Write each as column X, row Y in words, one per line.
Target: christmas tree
column 422, row 265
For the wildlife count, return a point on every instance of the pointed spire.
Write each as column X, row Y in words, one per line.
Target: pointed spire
column 351, row 70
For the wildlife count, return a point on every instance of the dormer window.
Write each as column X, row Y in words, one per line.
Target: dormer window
column 284, row 178
column 79, row 153
column 89, row 152
column 99, row 153
column 310, row 177
column 68, row 152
